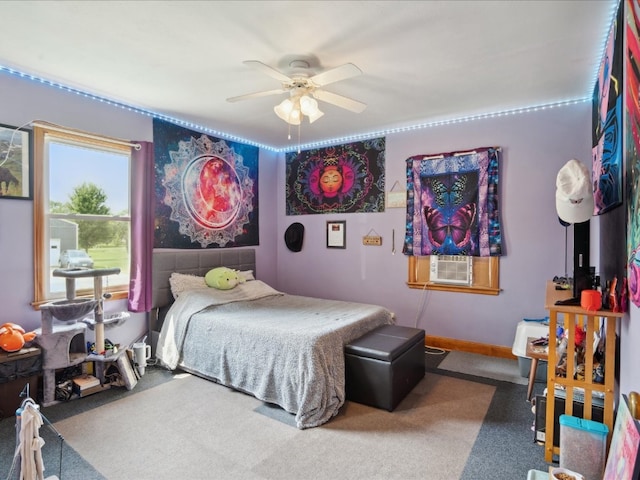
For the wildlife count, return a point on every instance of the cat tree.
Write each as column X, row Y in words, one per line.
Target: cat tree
column 63, row 343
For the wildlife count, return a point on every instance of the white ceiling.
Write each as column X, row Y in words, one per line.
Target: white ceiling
column 422, row 61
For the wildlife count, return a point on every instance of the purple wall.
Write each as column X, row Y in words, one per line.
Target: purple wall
column 535, row 145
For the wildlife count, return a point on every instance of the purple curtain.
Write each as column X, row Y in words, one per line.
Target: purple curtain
column 142, row 213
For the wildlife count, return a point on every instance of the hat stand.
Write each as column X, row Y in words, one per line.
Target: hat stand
column 566, row 247
column 566, row 225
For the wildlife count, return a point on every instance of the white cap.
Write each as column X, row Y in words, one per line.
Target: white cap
column 574, row 194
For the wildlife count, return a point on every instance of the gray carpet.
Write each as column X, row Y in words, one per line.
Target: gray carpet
column 453, row 425
column 483, row 366
column 216, row 429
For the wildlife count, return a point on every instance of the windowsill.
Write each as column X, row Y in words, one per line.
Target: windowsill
column 486, row 276
column 453, row 288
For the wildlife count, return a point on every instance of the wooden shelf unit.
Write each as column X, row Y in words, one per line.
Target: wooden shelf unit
column 573, row 316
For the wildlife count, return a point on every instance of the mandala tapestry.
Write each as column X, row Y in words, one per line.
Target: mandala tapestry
column 607, row 124
column 206, row 190
column 340, row 179
column 452, row 204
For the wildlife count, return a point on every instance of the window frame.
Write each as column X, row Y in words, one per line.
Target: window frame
column 41, row 133
column 485, row 280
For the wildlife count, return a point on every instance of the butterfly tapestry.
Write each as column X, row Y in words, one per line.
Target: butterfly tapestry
column 450, row 213
column 452, row 206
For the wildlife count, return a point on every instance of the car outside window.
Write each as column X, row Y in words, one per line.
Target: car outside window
column 75, row 259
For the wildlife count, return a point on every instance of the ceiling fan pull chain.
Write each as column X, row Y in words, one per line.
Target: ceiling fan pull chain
column 299, row 138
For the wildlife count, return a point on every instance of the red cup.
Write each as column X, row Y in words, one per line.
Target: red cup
column 591, row 300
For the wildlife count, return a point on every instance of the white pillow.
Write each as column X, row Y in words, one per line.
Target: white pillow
column 247, row 274
column 181, row 282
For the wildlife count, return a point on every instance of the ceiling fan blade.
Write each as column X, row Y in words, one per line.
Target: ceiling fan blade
column 340, row 101
column 266, row 69
column 265, row 93
column 348, row 70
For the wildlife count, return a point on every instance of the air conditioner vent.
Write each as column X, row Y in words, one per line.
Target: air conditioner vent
column 454, row 269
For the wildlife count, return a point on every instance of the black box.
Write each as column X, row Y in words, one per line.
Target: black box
column 17, row 369
column 23, row 363
column 384, row 365
column 597, row 415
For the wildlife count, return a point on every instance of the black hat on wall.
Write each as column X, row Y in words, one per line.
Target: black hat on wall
column 293, row 237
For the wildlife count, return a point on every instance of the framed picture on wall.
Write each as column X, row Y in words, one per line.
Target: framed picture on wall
column 337, row 234
column 15, row 162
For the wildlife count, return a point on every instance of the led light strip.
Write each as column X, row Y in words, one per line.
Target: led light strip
column 130, row 108
column 365, row 136
column 333, row 141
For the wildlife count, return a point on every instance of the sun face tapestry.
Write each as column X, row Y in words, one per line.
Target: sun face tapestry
column 607, row 125
column 206, row 190
column 632, row 154
column 452, row 204
column 340, row 179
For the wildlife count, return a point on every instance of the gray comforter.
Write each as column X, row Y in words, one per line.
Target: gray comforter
column 283, row 349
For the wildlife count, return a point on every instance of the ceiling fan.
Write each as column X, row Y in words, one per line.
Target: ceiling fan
column 304, row 89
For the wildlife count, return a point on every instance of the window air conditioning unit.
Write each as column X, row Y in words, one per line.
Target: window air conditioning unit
column 453, row 269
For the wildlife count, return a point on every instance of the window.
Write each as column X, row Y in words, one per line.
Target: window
column 81, row 211
column 485, row 278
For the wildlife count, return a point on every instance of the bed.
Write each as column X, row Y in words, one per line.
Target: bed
column 283, row 349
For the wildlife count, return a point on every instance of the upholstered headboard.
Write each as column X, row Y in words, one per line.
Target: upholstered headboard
column 194, row 262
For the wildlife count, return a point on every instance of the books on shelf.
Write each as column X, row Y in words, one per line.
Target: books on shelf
column 597, row 398
column 87, row 384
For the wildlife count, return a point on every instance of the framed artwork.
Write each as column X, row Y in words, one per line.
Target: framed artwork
column 337, row 234
column 632, row 148
column 607, row 123
column 623, row 462
column 15, row 162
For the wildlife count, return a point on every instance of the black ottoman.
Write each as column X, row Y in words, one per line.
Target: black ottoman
column 383, row 366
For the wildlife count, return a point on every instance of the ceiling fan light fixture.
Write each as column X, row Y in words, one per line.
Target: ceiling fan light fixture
column 288, row 111
column 285, row 107
column 295, row 117
column 315, row 116
column 308, row 105
column 304, row 87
